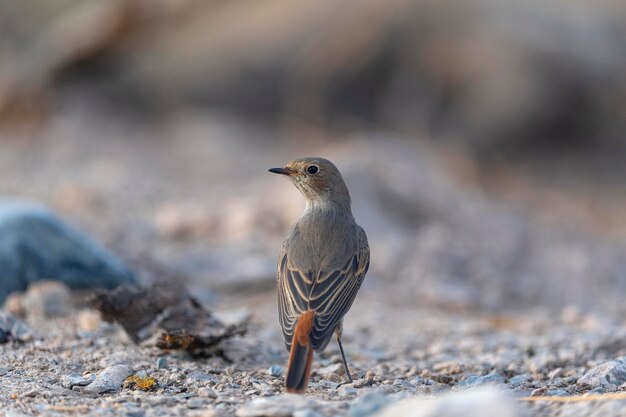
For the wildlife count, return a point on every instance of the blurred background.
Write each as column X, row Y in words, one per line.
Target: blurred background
column 483, row 141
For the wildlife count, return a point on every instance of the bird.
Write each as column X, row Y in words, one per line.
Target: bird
column 321, row 266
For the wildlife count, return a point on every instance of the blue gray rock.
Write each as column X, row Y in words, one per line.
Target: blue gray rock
column 275, row 370
column 35, row 244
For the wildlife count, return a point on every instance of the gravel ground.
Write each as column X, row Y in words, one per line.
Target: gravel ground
column 544, row 364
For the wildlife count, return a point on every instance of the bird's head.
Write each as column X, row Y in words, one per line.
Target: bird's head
column 318, row 180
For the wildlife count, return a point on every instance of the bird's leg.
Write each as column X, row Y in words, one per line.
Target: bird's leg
column 338, row 333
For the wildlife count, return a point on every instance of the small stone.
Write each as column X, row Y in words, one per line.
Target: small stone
column 12, row 328
column 47, row 299
column 198, row 376
column 363, row 382
column 332, row 377
column 111, row 379
column 75, row 380
column 478, row 380
column 328, row 384
column 448, row 367
column 275, row 370
column 134, row 412
column 347, row 391
column 418, row 380
column 368, row 404
column 555, row 373
column 402, row 383
column 559, row 392
column 519, row 380
column 335, row 368
column 205, row 392
column 195, row 403
column 161, row 363
column 608, row 373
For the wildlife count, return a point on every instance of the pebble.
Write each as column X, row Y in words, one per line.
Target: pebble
column 205, row 392
column 559, row 392
column 347, row 391
column 328, row 384
column 519, row 380
column 111, row 379
column 12, row 328
column 332, row 377
column 606, row 374
column 76, row 380
column 161, row 363
column 134, row 412
column 275, row 370
column 402, row 383
column 335, row 368
column 477, row 380
column 198, row 376
column 195, row 403
column 47, row 299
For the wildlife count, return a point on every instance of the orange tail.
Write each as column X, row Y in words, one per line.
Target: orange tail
column 301, row 355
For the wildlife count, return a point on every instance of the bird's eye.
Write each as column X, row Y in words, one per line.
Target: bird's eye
column 312, row 169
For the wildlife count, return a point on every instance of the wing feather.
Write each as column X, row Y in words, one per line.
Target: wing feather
column 329, row 293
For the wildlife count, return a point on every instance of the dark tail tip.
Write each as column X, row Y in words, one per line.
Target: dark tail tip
column 299, row 371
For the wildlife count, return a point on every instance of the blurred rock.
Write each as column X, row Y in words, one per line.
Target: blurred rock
column 36, row 245
column 279, row 406
column 368, row 404
column 479, row 403
column 47, row 299
column 14, row 304
column 76, row 380
column 474, row 381
column 109, row 380
column 606, row 374
column 88, row 320
column 275, row 370
column 12, row 328
column 335, row 368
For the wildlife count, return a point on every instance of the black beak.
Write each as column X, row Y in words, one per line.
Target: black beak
column 281, row 171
